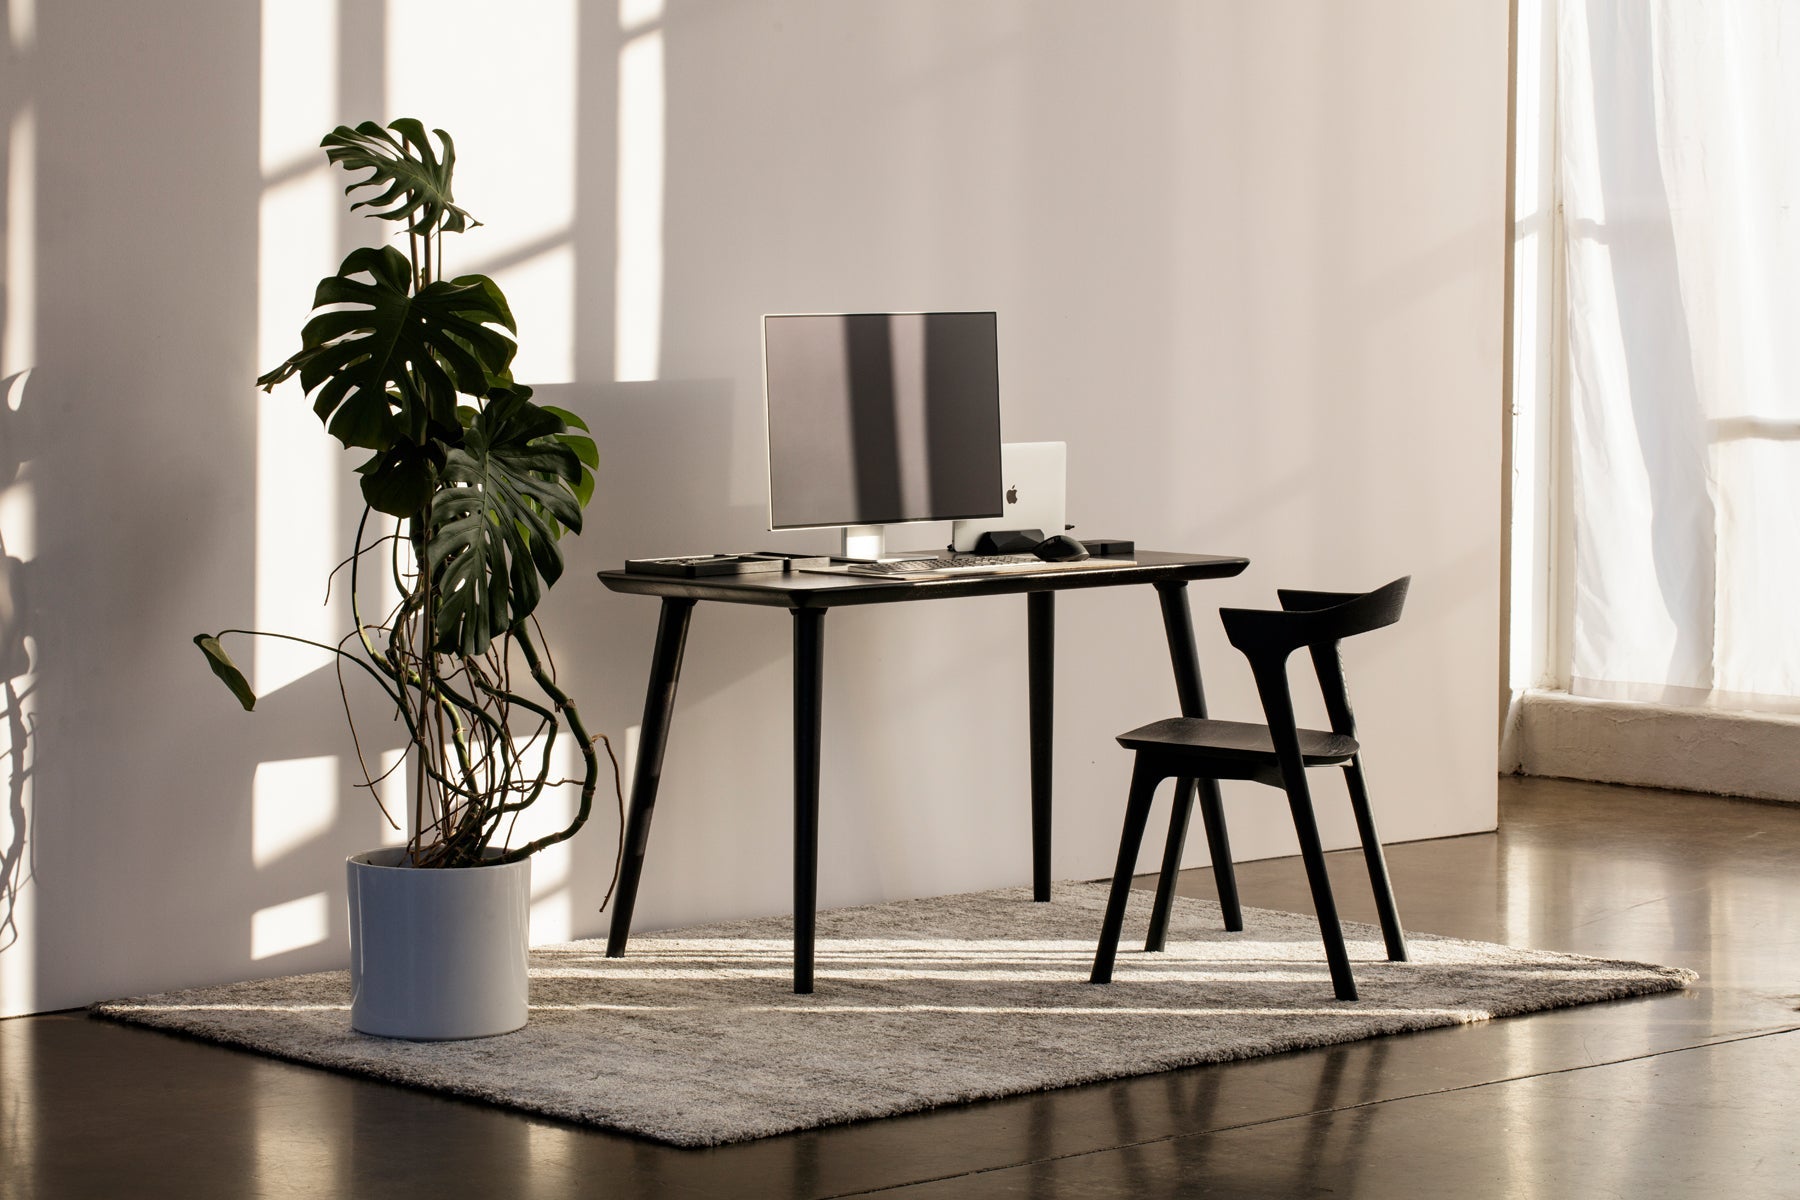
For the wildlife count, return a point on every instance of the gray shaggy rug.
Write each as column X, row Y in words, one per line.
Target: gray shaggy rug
column 696, row 1039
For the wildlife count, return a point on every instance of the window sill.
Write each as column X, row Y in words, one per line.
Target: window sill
column 1654, row 745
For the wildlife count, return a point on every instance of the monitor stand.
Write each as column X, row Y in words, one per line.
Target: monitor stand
column 869, row 542
column 865, row 541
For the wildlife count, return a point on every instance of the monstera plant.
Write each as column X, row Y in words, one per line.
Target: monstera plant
column 469, row 484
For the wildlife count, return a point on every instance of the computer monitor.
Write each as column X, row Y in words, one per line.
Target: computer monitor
column 877, row 419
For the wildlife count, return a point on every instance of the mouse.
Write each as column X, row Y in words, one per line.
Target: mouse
column 1060, row 548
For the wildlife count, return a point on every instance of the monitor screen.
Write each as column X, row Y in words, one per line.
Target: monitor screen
column 880, row 418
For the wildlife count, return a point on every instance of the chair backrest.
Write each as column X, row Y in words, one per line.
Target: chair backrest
column 1318, row 621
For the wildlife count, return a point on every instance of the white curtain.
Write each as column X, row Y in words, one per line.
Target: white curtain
column 1679, row 142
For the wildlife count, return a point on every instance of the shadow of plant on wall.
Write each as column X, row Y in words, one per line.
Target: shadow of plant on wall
column 17, row 683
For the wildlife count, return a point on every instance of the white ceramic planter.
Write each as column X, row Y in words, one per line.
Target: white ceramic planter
column 437, row 954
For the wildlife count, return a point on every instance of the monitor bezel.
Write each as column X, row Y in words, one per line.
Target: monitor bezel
column 769, row 445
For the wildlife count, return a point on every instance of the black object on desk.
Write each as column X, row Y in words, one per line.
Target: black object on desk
column 1011, row 541
column 807, row 596
column 694, row 566
column 795, row 560
column 1060, row 547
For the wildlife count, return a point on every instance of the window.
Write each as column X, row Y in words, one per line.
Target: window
column 1657, row 400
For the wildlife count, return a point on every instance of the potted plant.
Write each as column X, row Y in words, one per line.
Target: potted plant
column 479, row 483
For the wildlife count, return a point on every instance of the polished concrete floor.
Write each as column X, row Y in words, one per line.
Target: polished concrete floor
column 1686, row 1094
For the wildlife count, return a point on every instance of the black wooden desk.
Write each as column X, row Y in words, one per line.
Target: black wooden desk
column 807, row 597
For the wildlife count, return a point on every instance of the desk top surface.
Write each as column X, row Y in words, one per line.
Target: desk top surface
column 802, row 589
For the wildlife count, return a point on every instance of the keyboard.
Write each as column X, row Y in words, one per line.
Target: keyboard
column 962, row 565
column 946, row 566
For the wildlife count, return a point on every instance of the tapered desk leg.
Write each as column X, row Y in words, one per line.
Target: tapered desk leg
column 1042, row 657
column 809, row 686
column 659, row 705
column 1179, row 626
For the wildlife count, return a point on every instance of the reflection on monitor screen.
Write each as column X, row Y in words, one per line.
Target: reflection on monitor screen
column 879, row 418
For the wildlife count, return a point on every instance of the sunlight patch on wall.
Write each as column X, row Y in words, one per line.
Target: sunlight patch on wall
column 21, row 23
column 292, row 801
column 18, row 537
column 517, row 176
column 299, row 82
column 18, row 546
column 393, row 787
column 637, row 320
column 539, row 290
column 377, row 592
column 635, row 14
column 551, row 910
column 294, row 925
column 297, row 464
column 18, row 337
column 296, row 461
column 552, row 915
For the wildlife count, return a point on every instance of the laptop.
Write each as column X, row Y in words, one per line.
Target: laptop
column 1034, row 476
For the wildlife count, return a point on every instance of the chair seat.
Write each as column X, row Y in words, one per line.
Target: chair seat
column 1239, row 741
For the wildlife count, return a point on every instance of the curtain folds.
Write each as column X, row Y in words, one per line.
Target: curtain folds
column 1679, row 144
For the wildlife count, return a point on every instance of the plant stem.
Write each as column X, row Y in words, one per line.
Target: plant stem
column 566, row 707
column 421, row 736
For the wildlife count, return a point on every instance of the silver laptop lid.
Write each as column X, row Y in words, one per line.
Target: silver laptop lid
column 1034, row 476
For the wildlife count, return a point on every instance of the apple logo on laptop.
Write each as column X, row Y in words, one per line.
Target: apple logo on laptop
column 1012, row 494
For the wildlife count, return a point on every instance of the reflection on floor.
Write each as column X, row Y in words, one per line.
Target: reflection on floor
column 1684, row 1094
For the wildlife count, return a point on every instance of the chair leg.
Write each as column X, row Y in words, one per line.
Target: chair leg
column 1377, row 861
column 1179, row 811
column 1218, row 843
column 1144, row 779
column 1178, row 624
column 1337, row 955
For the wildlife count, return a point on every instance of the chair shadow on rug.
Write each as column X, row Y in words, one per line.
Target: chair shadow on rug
column 1277, row 754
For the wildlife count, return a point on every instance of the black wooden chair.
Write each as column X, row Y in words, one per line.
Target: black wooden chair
column 1276, row 754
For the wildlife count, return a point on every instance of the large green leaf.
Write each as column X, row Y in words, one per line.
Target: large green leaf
column 386, row 364
column 399, row 481
column 494, row 521
column 582, row 443
column 414, row 182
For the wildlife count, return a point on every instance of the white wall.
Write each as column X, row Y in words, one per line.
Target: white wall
column 1248, row 265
